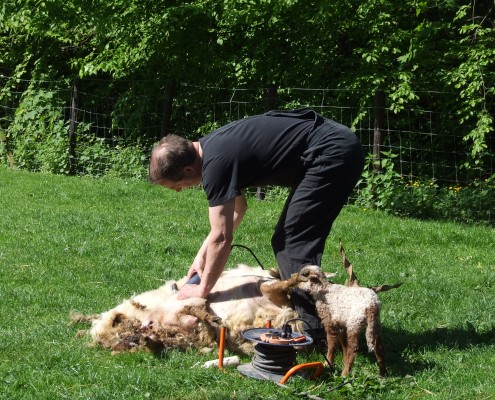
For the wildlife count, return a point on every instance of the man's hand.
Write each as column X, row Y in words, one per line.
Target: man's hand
column 189, row 291
column 195, row 269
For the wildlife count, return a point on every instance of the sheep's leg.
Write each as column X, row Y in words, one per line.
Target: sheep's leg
column 380, row 359
column 203, row 315
column 278, row 291
column 351, row 351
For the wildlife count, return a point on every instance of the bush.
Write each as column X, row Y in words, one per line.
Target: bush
column 37, row 135
column 128, row 162
column 378, row 183
column 423, row 198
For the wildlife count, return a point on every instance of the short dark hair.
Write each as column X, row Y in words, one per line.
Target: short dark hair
column 169, row 158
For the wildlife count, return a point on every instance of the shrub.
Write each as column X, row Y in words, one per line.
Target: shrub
column 37, row 134
column 128, row 162
column 378, row 182
column 424, row 198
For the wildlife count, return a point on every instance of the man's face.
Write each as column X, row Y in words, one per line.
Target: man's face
column 177, row 186
column 191, row 178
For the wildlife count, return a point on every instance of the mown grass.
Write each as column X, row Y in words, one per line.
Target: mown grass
column 86, row 244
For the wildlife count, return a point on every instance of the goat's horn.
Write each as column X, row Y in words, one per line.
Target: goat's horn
column 353, row 280
column 384, row 288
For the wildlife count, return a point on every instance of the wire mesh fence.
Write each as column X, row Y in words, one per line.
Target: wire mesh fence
column 115, row 116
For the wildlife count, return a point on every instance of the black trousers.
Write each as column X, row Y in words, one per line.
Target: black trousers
column 333, row 161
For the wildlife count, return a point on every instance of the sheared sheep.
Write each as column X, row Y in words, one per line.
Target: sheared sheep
column 241, row 299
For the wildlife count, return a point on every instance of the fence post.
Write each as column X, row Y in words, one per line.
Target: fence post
column 73, row 128
column 168, row 108
column 271, row 98
column 270, row 104
column 379, row 124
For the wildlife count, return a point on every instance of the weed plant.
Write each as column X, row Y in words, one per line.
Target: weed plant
column 86, row 244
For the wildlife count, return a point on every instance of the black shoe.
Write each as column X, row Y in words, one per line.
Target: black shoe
column 316, row 334
column 319, row 344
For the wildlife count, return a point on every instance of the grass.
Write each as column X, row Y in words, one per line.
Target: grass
column 85, row 244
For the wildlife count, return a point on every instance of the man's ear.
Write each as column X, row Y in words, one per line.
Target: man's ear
column 188, row 171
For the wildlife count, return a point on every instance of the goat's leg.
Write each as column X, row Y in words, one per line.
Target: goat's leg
column 379, row 353
column 332, row 339
column 351, row 351
column 343, row 345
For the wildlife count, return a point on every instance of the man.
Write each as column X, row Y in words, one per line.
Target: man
column 319, row 159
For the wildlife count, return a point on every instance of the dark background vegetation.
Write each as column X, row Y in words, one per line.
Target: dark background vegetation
column 86, row 87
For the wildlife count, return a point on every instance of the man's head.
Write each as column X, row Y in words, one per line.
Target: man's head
column 174, row 159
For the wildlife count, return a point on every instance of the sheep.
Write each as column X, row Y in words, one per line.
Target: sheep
column 344, row 312
column 243, row 298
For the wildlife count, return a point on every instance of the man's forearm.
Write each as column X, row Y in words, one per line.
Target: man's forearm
column 201, row 255
column 217, row 254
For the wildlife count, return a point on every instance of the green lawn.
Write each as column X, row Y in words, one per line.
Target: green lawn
column 86, row 244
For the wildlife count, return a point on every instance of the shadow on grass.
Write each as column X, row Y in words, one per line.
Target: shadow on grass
column 403, row 349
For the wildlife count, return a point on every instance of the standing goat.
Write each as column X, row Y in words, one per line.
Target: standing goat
column 344, row 312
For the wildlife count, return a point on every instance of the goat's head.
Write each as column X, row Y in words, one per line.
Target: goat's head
column 311, row 275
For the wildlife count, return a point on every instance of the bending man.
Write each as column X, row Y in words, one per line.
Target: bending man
column 319, row 159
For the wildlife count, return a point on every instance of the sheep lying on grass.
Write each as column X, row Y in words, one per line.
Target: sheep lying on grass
column 241, row 299
column 345, row 311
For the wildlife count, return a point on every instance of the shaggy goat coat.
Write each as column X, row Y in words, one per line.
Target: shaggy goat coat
column 344, row 311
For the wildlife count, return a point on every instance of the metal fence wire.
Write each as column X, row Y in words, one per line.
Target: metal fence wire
column 426, row 140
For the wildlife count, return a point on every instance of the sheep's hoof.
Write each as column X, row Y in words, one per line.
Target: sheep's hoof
column 205, row 350
column 216, row 322
column 274, row 273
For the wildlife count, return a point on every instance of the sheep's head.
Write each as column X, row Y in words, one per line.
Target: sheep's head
column 311, row 275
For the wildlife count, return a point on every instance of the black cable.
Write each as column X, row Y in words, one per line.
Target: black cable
column 286, row 329
column 252, row 253
column 195, row 279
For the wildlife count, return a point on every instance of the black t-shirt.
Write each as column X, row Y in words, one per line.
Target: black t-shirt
column 259, row 150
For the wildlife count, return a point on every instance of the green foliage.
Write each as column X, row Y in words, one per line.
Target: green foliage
column 52, row 152
column 37, row 135
column 384, row 189
column 206, row 128
column 97, row 158
column 129, row 162
column 405, row 48
column 417, row 199
column 474, row 78
column 37, row 140
column 378, row 182
column 474, row 203
column 93, row 156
